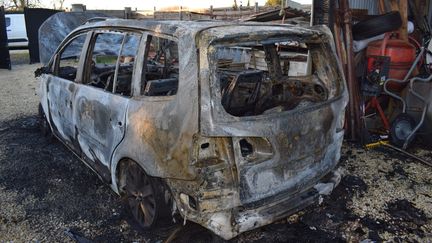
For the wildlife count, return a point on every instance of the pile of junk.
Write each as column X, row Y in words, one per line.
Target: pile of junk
column 387, row 62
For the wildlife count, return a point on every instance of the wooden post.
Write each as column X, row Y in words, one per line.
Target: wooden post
column 354, row 124
column 394, row 6
column 381, row 7
column 403, row 10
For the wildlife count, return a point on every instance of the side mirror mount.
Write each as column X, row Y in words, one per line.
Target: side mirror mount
column 48, row 68
column 41, row 71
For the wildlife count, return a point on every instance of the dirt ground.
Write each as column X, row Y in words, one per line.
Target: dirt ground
column 48, row 195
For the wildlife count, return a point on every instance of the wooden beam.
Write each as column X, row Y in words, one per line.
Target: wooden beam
column 403, row 10
column 381, row 7
column 394, row 6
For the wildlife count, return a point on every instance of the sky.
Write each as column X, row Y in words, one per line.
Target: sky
column 149, row 4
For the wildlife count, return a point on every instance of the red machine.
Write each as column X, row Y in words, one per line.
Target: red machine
column 402, row 54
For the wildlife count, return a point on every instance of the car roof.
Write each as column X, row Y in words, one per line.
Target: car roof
column 169, row 27
column 178, row 28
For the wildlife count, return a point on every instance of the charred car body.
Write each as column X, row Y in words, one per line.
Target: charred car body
column 232, row 125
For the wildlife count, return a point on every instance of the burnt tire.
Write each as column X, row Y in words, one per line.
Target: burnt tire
column 44, row 126
column 144, row 197
column 377, row 25
column 401, row 128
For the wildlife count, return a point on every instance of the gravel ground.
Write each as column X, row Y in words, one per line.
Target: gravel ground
column 46, row 193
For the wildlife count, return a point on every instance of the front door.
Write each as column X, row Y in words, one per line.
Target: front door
column 61, row 87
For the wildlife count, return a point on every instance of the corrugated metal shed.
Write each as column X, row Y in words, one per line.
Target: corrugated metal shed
column 293, row 4
column 370, row 5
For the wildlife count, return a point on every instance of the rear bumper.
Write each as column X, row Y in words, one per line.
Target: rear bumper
column 222, row 211
column 230, row 223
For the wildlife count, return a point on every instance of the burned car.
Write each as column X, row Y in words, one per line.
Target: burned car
column 230, row 125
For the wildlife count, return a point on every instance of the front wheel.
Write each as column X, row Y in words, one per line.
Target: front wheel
column 43, row 123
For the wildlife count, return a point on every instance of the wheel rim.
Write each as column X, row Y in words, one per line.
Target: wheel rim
column 140, row 196
column 403, row 129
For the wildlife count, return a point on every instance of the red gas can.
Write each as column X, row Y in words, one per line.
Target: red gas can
column 402, row 55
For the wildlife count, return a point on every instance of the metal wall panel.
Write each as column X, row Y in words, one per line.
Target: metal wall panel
column 370, row 5
column 34, row 17
column 4, row 50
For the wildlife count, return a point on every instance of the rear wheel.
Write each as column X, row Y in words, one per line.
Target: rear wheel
column 145, row 196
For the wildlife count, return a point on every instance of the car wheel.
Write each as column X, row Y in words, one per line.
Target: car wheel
column 144, row 197
column 377, row 25
column 43, row 123
column 401, row 128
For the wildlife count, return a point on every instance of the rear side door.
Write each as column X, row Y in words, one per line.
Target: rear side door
column 101, row 102
column 59, row 88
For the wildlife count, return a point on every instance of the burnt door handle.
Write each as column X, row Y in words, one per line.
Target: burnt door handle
column 120, row 124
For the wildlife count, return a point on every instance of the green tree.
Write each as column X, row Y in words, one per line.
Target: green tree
column 273, row 3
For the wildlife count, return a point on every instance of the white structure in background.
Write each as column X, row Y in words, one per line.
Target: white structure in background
column 16, row 30
column 293, row 4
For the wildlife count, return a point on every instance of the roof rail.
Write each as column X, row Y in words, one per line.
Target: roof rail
column 96, row 19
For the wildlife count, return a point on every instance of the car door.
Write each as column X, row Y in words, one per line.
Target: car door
column 60, row 87
column 101, row 102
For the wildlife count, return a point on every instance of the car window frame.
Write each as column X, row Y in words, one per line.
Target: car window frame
column 56, row 62
column 138, row 65
column 145, row 44
column 88, row 58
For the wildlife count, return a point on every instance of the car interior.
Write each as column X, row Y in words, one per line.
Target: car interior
column 161, row 71
column 265, row 78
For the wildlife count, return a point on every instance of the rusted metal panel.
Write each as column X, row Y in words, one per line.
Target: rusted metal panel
column 370, row 5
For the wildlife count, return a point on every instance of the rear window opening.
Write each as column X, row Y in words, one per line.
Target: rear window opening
column 112, row 61
column 161, row 71
column 274, row 76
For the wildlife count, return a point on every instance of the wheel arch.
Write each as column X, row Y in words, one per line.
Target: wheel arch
column 117, row 174
column 116, row 166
